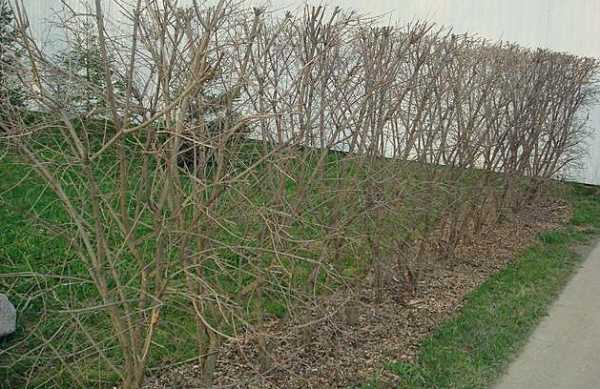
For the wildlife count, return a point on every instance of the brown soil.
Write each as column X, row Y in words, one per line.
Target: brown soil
column 334, row 353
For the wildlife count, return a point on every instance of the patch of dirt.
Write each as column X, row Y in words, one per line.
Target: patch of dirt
column 335, row 351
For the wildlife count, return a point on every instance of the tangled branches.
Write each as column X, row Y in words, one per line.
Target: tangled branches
column 235, row 166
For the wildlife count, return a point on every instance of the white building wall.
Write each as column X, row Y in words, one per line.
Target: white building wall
column 571, row 26
column 564, row 25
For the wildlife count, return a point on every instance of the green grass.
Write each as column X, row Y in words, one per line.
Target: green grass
column 472, row 349
column 29, row 253
column 45, row 278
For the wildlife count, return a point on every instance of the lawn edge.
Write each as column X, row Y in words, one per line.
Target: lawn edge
column 576, row 241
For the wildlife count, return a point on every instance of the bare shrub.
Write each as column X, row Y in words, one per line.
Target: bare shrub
column 232, row 167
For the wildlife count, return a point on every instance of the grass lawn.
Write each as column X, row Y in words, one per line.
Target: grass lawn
column 51, row 287
column 475, row 347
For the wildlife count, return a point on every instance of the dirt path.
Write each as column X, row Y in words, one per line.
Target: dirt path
column 335, row 354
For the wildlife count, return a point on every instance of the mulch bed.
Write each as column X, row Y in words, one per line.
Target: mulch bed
column 332, row 352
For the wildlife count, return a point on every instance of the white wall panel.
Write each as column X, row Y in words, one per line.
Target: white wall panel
column 572, row 26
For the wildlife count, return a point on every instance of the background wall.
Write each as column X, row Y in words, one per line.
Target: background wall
column 572, row 26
